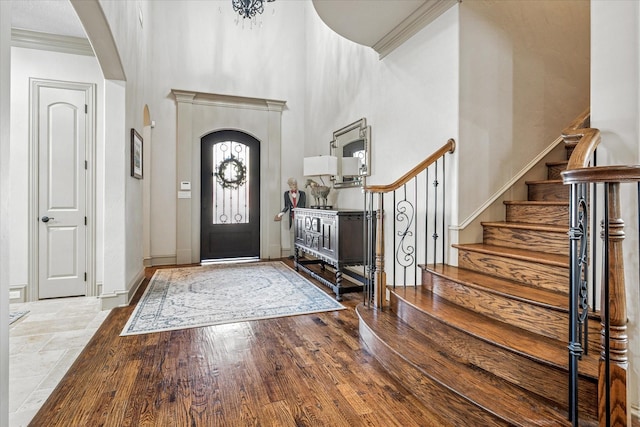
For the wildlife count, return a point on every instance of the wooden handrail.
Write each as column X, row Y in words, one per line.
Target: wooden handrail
column 585, row 139
column 449, row 147
column 583, row 121
column 618, row 174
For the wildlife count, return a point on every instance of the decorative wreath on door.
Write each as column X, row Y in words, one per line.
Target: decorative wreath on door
column 235, row 169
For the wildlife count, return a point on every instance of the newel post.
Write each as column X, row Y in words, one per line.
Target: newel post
column 612, row 405
column 380, row 275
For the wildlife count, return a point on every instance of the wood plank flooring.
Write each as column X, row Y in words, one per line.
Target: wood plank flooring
column 308, row 370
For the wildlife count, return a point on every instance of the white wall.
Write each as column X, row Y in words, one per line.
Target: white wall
column 31, row 63
column 198, row 46
column 524, row 75
column 410, row 98
column 615, row 110
column 125, row 104
column 5, row 82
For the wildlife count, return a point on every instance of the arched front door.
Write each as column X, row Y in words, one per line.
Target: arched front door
column 230, row 199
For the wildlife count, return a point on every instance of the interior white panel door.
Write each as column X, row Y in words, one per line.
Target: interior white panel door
column 62, row 136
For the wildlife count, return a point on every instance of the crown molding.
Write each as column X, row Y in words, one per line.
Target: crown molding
column 230, row 101
column 51, row 42
column 419, row 19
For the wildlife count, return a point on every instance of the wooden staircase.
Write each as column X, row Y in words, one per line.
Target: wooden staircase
column 485, row 343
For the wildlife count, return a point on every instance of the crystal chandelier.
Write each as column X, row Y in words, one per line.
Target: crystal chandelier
column 249, row 8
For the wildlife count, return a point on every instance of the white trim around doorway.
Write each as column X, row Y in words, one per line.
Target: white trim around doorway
column 33, row 266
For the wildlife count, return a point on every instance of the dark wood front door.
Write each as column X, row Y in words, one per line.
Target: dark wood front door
column 230, row 209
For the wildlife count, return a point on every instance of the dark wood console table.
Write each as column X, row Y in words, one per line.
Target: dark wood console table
column 330, row 237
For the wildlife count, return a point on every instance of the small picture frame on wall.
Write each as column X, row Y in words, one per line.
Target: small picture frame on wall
column 136, row 154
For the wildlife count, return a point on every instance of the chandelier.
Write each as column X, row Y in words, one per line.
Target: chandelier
column 249, row 8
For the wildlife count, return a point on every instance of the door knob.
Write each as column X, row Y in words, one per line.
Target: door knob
column 46, row 218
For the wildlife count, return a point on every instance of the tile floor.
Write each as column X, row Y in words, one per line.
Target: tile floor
column 43, row 344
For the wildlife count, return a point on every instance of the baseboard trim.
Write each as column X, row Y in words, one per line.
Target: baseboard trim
column 114, row 300
column 162, row 260
column 123, row 297
column 17, row 293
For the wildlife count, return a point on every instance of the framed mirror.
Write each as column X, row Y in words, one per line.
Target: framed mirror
column 352, row 146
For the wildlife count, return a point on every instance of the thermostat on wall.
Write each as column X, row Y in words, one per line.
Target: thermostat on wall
column 185, row 185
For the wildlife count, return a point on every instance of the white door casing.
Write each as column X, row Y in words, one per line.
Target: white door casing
column 62, row 140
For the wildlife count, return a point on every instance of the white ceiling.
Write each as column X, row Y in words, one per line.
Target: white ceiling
column 381, row 24
column 361, row 21
column 46, row 16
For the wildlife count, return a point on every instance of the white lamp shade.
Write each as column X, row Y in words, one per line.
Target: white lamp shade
column 320, row 165
column 350, row 166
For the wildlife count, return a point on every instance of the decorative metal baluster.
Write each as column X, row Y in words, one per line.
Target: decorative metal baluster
column 393, row 268
column 444, row 206
column 583, row 292
column 435, row 214
column 594, row 238
column 405, row 250
column 417, row 235
column 426, row 217
column 576, row 234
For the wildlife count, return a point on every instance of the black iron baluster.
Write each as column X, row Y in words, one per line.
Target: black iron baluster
column 405, row 250
column 394, row 239
column 416, row 234
column 426, row 218
column 594, row 236
column 435, row 214
column 575, row 348
column 444, row 206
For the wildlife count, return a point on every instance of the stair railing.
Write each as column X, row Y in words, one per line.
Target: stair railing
column 419, row 211
column 584, row 180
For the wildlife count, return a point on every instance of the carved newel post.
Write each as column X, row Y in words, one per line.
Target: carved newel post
column 380, row 275
column 616, row 378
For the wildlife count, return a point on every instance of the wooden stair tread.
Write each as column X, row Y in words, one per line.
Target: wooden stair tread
column 480, row 387
column 521, row 254
column 537, row 202
column 537, row 347
column 528, row 226
column 558, row 163
column 505, row 287
column 545, row 181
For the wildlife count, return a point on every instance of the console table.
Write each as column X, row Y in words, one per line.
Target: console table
column 330, row 237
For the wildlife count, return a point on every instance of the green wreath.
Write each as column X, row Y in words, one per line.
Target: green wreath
column 240, row 175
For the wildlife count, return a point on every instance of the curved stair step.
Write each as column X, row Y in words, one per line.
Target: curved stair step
column 535, row 309
column 541, row 349
column 432, row 373
column 533, row 362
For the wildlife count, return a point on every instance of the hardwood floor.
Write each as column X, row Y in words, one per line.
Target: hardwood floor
column 309, row 370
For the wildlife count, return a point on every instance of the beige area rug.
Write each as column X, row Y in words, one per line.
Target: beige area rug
column 191, row 297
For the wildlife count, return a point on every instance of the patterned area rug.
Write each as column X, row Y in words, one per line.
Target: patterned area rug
column 16, row 315
column 190, row 297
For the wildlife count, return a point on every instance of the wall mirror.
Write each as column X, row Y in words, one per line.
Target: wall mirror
column 352, row 146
